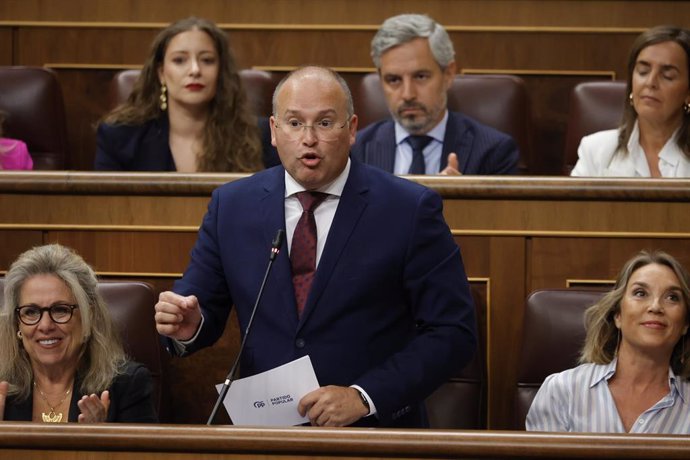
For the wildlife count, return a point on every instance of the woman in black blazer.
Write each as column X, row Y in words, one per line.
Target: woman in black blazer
column 187, row 112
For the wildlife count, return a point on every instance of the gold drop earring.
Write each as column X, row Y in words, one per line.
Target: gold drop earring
column 164, row 97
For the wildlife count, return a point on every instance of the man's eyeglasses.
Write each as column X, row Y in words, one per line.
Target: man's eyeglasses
column 323, row 129
column 59, row 313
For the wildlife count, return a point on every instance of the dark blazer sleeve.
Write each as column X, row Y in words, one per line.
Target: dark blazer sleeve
column 204, row 277
column 141, row 147
column 481, row 149
column 108, row 143
column 503, row 158
column 131, row 396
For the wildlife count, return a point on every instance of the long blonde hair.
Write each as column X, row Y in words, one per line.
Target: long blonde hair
column 601, row 340
column 102, row 355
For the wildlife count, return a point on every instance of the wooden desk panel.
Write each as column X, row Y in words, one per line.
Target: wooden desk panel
column 516, row 234
column 148, row 442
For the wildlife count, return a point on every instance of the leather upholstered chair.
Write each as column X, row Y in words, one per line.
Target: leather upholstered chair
column 499, row 101
column 553, row 334
column 32, row 100
column 131, row 306
column 461, row 402
column 594, row 106
column 121, row 86
column 259, row 85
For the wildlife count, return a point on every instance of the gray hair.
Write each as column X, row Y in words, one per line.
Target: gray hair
column 406, row 27
column 102, row 353
column 350, row 107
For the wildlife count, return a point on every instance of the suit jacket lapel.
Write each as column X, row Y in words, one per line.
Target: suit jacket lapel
column 457, row 139
column 350, row 207
column 272, row 212
column 380, row 152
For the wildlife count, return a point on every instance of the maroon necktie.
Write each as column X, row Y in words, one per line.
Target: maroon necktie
column 303, row 249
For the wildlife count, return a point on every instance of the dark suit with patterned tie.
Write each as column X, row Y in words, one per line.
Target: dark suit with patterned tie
column 389, row 308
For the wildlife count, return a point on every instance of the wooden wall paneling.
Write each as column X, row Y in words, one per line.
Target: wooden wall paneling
column 86, row 95
column 558, row 260
column 105, row 211
column 540, row 217
column 6, row 46
column 14, row 242
column 124, row 441
column 504, row 325
column 550, row 99
column 611, row 13
column 130, row 252
column 83, row 45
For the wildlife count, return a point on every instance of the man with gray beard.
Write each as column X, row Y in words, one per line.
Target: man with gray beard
column 415, row 60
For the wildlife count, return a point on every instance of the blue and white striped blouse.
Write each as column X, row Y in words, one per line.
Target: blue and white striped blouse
column 579, row 400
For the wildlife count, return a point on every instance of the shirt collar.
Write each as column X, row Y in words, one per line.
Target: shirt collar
column 606, row 371
column 676, row 383
column 670, row 153
column 437, row 132
column 334, row 188
column 603, row 372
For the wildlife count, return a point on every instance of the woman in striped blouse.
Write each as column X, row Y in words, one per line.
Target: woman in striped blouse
column 635, row 367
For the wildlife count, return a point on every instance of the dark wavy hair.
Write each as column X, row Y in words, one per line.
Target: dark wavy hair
column 231, row 137
column 653, row 36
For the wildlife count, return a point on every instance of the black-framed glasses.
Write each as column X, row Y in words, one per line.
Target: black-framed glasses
column 31, row 314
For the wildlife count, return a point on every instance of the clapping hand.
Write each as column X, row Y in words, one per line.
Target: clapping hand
column 94, row 409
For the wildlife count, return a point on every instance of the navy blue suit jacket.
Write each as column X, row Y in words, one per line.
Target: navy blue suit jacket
column 145, row 147
column 389, row 309
column 480, row 148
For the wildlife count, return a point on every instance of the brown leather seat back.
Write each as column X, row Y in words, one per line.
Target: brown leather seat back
column 121, row 86
column 553, row 334
column 461, row 403
column 258, row 84
column 131, row 306
column 32, row 99
column 594, row 106
column 499, row 101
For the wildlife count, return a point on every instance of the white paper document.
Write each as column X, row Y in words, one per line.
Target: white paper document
column 271, row 398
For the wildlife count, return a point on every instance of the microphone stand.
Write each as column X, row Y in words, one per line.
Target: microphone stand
column 275, row 249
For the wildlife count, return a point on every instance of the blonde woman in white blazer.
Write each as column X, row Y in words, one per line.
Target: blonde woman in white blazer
column 654, row 138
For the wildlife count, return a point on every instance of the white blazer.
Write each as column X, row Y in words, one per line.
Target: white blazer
column 598, row 157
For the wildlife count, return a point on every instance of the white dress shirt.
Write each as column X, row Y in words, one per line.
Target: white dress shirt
column 432, row 152
column 323, row 215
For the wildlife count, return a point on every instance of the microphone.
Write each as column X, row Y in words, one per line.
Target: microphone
column 275, row 249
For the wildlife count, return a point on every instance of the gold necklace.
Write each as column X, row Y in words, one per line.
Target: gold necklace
column 52, row 416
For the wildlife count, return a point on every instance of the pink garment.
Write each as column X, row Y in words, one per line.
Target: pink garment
column 14, row 155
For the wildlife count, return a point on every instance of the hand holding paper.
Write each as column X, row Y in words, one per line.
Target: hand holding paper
column 333, row 406
column 271, row 398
